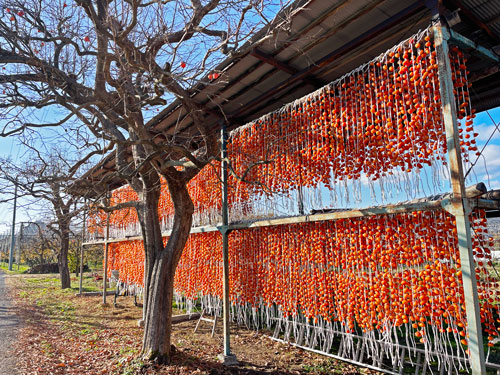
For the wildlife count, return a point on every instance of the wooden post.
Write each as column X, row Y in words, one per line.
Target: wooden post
column 459, row 206
column 80, row 288
column 106, row 248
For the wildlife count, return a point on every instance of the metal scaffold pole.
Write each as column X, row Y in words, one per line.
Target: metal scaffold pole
column 227, row 358
column 460, row 206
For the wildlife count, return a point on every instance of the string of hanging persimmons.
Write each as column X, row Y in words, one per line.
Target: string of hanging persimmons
column 397, row 275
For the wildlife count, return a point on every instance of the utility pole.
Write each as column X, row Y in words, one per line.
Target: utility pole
column 4, row 248
column 13, row 238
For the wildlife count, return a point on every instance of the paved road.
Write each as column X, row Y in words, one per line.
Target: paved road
column 8, row 327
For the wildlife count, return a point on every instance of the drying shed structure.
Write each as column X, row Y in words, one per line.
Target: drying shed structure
column 322, row 71
column 328, row 39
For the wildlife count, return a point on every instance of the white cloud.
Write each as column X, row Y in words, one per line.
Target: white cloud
column 487, row 168
column 490, row 176
column 495, row 184
column 491, row 154
column 485, row 131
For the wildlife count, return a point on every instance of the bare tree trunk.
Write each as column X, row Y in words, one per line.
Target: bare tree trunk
column 151, row 234
column 158, row 322
column 62, row 259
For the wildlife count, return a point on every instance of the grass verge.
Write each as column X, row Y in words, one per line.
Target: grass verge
column 16, row 269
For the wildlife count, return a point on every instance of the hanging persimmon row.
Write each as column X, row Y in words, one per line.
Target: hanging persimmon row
column 367, row 273
column 380, row 120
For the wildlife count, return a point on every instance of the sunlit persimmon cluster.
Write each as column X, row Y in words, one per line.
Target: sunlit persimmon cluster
column 128, row 259
column 368, row 273
column 204, row 190
column 381, row 119
column 376, row 272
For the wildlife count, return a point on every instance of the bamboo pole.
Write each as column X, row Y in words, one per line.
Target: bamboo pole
column 346, row 214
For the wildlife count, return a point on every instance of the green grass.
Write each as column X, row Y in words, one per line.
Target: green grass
column 42, row 286
column 133, row 367
column 46, row 293
column 15, row 268
column 88, row 284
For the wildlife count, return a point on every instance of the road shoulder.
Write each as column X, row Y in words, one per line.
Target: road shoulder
column 9, row 326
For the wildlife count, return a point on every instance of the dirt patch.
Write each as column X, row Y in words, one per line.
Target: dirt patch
column 65, row 334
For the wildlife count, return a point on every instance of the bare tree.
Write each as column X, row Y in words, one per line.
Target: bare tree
column 38, row 245
column 47, row 178
column 108, row 63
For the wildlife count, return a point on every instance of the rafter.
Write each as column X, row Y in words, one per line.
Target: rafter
column 271, row 60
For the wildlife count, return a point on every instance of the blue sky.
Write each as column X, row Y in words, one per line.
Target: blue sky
column 487, row 169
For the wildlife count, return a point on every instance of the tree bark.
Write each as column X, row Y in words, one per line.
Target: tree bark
column 62, row 259
column 158, row 316
column 151, row 234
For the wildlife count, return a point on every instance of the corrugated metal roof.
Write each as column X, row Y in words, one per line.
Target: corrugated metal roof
column 488, row 11
column 316, row 32
column 326, row 40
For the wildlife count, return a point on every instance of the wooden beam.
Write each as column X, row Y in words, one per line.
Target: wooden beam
column 467, row 44
column 271, row 60
column 184, row 318
column 476, row 76
column 106, row 250
column 467, row 12
column 493, row 19
column 459, row 205
column 372, row 211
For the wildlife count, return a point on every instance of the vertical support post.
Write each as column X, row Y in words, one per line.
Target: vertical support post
column 80, row 287
column 106, row 248
column 460, row 206
column 227, row 358
column 13, row 234
column 20, row 245
column 225, row 245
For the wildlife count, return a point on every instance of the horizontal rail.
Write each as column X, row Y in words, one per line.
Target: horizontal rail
column 340, row 358
column 489, row 365
column 380, row 342
column 347, row 214
column 465, row 43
